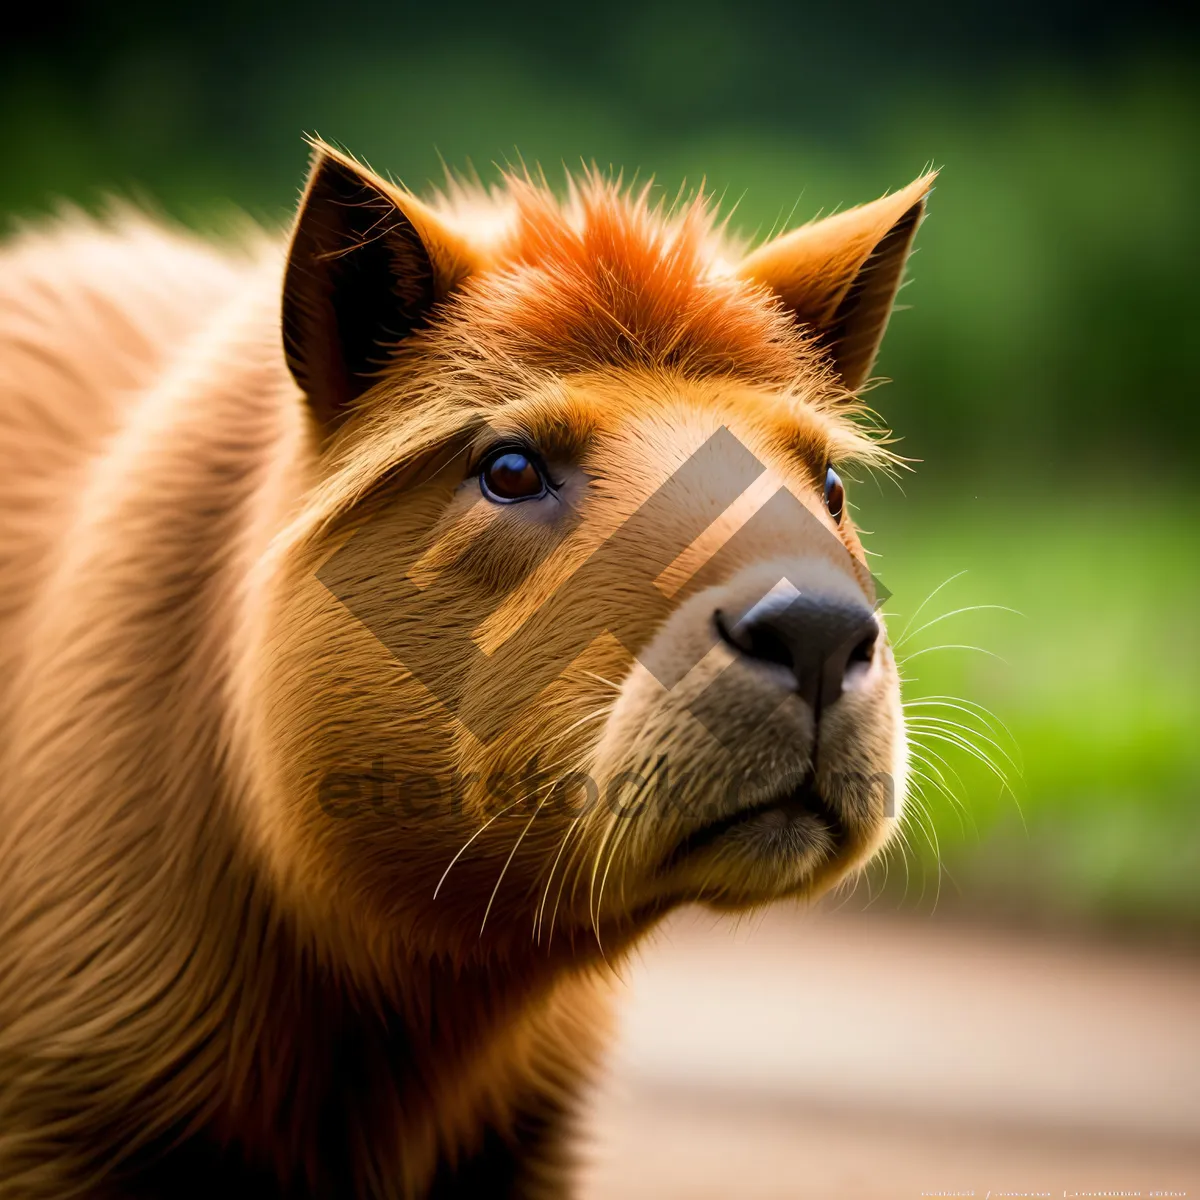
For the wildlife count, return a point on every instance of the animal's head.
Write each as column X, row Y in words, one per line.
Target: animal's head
column 574, row 624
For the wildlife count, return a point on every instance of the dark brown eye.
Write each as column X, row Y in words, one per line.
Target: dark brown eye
column 510, row 475
column 835, row 494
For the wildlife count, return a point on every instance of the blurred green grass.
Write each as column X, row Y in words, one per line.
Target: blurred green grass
column 1094, row 682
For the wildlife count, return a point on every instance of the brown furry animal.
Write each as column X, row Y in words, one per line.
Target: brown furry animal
column 330, row 639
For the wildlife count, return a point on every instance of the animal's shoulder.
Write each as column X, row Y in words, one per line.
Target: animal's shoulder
column 117, row 288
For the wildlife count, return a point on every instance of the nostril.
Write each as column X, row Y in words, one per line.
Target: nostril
column 757, row 641
column 725, row 633
column 768, row 646
column 864, row 651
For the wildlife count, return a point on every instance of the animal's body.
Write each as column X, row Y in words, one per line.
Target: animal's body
column 212, row 983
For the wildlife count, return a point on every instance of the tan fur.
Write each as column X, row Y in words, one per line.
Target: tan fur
column 207, row 985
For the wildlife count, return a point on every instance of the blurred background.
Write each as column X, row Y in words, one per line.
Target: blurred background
column 1045, row 387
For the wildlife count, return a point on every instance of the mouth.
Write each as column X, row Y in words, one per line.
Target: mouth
column 799, row 821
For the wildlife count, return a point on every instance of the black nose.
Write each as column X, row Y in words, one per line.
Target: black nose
column 820, row 640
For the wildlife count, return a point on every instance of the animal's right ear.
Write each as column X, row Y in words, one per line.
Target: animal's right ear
column 366, row 264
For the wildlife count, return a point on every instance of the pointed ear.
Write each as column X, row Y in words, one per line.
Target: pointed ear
column 841, row 275
column 366, row 264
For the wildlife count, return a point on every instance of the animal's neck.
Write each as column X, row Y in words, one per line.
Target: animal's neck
column 324, row 1082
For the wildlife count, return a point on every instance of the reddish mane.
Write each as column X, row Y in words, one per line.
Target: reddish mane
column 607, row 277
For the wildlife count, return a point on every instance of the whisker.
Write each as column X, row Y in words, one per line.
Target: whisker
column 920, row 816
column 946, row 723
column 966, row 732
column 916, row 744
column 612, row 828
column 596, row 714
column 958, row 808
column 511, row 854
column 929, row 772
column 969, row 707
column 954, row 613
column 616, row 687
column 929, row 828
column 951, row 646
column 579, row 823
column 847, row 888
column 537, row 924
column 886, row 859
column 933, row 772
column 469, row 840
column 907, row 850
column 628, row 814
column 962, row 744
column 920, row 607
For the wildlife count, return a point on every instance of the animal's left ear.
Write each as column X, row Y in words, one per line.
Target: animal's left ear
column 367, row 263
column 840, row 275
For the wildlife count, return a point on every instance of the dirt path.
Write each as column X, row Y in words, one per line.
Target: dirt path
column 864, row 1057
